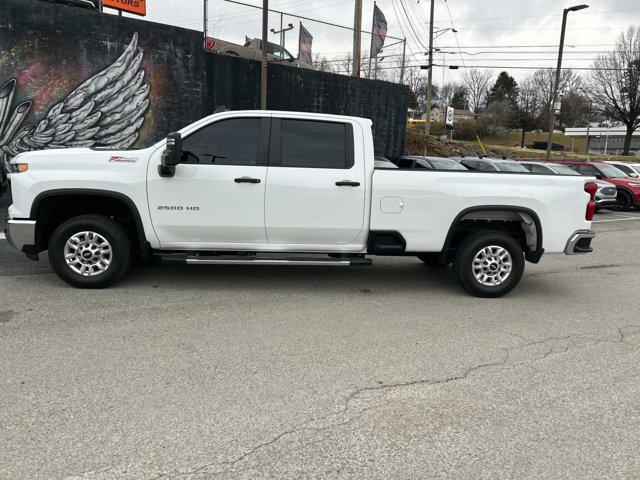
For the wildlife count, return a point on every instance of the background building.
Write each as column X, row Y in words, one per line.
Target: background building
column 609, row 140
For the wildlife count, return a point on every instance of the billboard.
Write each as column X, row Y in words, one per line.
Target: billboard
column 138, row 7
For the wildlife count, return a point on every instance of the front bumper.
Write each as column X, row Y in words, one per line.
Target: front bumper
column 580, row 242
column 606, row 202
column 21, row 234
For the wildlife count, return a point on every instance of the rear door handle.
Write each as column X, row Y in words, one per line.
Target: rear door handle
column 247, row 180
column 347, row 183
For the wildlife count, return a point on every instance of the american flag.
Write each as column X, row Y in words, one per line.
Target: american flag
column 304, row 47
column 379, row 31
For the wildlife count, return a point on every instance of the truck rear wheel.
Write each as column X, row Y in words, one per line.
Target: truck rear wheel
column 489, row 264
column 90, row 251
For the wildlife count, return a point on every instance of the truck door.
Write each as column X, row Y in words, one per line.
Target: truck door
column 216, row 197
column 315, row 183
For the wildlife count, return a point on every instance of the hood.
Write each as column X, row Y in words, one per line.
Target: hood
column 79, row 158
column 603, row 183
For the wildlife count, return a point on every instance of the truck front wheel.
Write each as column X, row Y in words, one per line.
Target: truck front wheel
column 90, row 251
column 489, row 264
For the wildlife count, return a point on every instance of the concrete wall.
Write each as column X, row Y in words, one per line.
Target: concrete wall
column 52, row 56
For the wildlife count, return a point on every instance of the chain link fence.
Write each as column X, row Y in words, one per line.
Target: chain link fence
column 231, row 24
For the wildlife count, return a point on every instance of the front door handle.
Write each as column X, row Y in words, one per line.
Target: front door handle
column 247, row 180
column 347, row 183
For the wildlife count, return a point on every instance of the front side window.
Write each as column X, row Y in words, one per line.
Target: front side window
column 312, row 144
column 229, row 142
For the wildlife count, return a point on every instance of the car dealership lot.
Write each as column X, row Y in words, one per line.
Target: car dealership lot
column 384, row 372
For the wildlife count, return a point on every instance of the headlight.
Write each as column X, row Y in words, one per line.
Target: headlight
column 637, row 185
column 19, row 167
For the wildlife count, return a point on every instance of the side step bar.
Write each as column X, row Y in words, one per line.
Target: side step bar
column 266, row 260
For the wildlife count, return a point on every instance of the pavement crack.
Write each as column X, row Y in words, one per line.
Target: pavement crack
column 352, row 411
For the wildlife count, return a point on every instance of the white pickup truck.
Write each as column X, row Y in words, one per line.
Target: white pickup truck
column 266, row 188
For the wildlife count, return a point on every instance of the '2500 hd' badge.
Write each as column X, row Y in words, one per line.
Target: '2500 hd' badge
column 177, row 208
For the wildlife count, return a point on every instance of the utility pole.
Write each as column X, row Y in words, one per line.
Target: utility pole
column 265, row 33
column 206, row 16
column 357, row 28
column 554, row 97
column 427, row 106
column 404, row 52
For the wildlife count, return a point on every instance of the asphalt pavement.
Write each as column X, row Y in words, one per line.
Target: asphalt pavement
column 390, row 371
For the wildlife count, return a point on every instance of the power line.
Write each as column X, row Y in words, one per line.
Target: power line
column 454, row 31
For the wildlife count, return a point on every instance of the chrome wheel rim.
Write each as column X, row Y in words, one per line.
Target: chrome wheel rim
column 492, row 266
column 88, row 254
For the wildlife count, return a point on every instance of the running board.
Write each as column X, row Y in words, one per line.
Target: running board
column 255, row 260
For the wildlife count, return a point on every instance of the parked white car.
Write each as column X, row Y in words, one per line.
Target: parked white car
column 268, row 188
column 631, row 169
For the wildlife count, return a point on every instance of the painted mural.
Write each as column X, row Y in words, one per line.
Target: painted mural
column 105, row 110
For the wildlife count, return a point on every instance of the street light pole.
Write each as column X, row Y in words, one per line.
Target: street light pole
column 427, row 106
column 554, row 96
column 357, row 38
column 265, row 36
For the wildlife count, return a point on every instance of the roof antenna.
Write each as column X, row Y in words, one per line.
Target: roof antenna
column 221, row 109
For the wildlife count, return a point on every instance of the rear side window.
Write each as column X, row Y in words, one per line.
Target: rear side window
column 311, row 144
column 587, row 169
column 541, row 169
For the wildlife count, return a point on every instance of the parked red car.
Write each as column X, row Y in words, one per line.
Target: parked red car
column 628, row 187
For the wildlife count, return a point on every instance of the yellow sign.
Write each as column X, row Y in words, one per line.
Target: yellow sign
column 139, row 7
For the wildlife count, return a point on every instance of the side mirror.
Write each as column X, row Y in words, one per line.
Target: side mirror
column 599, row 176
column 634, row 175
column 171, row 155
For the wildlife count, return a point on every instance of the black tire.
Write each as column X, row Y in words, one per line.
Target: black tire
column 466, row 253
column 431, row 259
column 625, row 201
column 113, row 232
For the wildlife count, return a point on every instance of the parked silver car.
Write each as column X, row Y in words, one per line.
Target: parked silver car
column 491, row 165
column 606, row 195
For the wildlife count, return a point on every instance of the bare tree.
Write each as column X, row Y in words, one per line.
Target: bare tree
column 615, row 83
column 478, row 83
column 527, row 107
column 569, row 87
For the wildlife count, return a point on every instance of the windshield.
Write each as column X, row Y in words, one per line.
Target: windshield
column 610, row 171
column 563, row 169
column 511, row 167
column 442, row 164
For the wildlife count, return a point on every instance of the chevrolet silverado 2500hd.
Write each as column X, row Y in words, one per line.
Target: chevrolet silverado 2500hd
column 266, row 187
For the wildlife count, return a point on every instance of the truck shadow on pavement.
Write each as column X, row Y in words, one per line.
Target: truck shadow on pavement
column 388, row 277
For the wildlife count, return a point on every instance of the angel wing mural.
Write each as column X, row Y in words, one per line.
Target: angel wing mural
column 106, row 110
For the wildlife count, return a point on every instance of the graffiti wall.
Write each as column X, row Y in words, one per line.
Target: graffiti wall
column 72, row 78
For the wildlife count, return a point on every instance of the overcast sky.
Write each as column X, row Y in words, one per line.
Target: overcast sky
column 490, row 32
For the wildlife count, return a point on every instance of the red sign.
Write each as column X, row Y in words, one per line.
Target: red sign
column 139, row 7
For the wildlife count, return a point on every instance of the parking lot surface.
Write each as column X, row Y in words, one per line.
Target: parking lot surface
column 383, row 372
